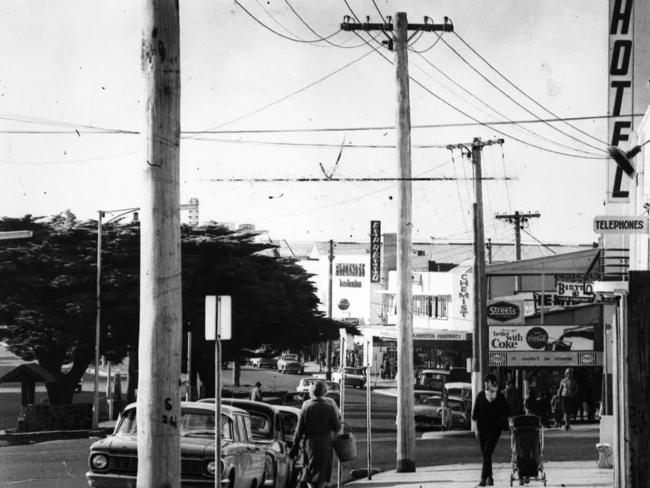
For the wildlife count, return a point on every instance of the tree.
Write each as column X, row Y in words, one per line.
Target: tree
column 48, row 290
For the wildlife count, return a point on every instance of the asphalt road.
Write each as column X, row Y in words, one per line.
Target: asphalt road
column 63, row 463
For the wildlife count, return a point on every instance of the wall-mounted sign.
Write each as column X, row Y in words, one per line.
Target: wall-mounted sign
column 620, row 100
column 440, row 335
column 375, row 251
column 541, row 338
column 554, row 300
column 505, row 312
column 620, row 224
column 545, row 358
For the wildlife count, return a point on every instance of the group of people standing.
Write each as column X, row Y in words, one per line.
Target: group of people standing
column 561, row 405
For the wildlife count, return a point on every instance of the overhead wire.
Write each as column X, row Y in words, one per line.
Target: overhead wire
column 324, row 39
column 305, row 41
column 276, row 21
column 540, row 242
column 314, row 144
column 523, row 107
column 428, row 48
column 524, row 93
column 503, row 162
column 496, row 111
column 462, row 112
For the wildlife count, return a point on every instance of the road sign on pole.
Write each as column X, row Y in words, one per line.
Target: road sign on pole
column 218, row 326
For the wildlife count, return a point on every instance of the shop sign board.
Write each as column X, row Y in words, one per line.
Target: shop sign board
column 620, row 224
column 545, row 358
column 375, row 251
column 505, row 312
column 440, row 335
column 541, row 338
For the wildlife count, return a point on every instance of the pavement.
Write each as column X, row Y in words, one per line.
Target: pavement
column 582, row 474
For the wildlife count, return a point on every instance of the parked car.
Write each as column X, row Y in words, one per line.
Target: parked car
column 273, row 428
column 291, row 363
column 264, row 362
column 459, row 389
column 113, row 461
column 429, row 412
column 354, row 377
column 333, row 390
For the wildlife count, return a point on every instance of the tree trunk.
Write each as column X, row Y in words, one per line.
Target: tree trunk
column 61, row 391
column 132, row 382
column 236, row 372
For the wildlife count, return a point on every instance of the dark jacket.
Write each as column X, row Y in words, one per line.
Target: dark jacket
column 491, row 416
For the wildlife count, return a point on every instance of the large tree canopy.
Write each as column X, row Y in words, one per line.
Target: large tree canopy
column 48, row 290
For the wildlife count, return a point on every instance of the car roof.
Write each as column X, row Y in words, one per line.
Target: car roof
column 252, row 404
column 458, row 384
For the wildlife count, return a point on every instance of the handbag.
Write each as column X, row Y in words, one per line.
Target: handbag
column 345, row 444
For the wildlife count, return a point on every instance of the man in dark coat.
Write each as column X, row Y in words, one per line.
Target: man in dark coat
column 492, row 414
column 319, row 421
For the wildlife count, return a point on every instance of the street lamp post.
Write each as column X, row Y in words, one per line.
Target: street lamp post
column 194, row 205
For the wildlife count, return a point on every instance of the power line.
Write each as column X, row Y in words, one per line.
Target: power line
column 490, row 107
column 462, row 112
column 531, row 235
column 71, row 161
column 314, row 144
column 277, row 22
column 325, row 39
column 279, row 33
column 475, row 122
column 430, row 47
column 339, row 180
column 524, row 93
column 500, row 90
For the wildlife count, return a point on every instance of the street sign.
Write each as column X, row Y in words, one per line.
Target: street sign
column 505, row 312
column 218, row 317
column 620, row 224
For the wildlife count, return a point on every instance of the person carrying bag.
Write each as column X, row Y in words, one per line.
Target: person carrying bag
column 318, row 424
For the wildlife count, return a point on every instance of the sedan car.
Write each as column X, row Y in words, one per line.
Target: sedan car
column 333, row 390
column 354, row 377
column 113, row 461
column 290, row 363
column 264, row 362
column 273, row 427
column 429, row 412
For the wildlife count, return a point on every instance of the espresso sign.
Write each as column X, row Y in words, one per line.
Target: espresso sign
column 505, row 312
column 375, row 251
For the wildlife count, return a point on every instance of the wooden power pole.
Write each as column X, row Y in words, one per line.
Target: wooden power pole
column 328, row 354
column 159, row 354
column 518, row 219
column 405, row 376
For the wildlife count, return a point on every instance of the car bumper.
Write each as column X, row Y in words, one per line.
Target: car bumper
column 114, row 480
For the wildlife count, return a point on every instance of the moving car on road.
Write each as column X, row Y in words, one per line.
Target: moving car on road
column 333, row 390
column 264, row 362
column 354, row 377
column 113, row 461
column 429, row 412
column 291, row 363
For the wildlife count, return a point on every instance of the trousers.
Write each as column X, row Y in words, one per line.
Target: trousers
column 488, row 441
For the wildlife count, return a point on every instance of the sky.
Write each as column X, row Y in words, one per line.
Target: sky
column 67, row 66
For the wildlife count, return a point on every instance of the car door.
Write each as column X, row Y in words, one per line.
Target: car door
column 284, row 462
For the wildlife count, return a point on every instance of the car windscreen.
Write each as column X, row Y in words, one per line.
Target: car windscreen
column 435, row 401
column 291, row 357
column 456, row 405
column 192, row 423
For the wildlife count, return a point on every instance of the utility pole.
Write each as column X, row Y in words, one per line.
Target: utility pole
column 158, row 407
column 518, row 219
column 328, row 359
column 405, row 378
column 480, row 336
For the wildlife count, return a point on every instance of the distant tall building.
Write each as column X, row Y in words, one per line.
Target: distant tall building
column 193, row 213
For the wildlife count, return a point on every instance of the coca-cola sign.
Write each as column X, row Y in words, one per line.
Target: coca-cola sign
column 537, row 338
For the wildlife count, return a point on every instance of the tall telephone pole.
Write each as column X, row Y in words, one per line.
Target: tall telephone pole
column 328, row 358
column 405, row 407
column 480, row 336
column 518, row 219
column 159, row 353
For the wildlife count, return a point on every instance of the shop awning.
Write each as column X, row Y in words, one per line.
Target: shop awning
column 580, row 262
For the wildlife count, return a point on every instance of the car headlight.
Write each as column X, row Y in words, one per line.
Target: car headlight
column 99, row 461
column 211, row 468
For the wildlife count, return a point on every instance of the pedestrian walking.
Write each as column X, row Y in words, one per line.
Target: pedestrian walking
column 321, row 361
column 512, row 397
column 568, row 393
column 318, row 422
column 256, row 393
column 492, row 415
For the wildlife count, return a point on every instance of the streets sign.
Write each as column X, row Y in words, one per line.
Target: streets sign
column 505, row 312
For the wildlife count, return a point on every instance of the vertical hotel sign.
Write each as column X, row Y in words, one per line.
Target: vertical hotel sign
column 620, row 92
column 375, row 251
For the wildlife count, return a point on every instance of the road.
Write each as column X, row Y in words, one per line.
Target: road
column 63, row 463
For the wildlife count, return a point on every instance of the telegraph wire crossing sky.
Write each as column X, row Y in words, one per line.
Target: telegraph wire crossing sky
column 274, row 91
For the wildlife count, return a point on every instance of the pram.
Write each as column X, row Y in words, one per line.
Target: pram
column 527, row 444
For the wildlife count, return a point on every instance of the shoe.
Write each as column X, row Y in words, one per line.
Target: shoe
column 482, row 483
column 567, row 427
column 489, row 481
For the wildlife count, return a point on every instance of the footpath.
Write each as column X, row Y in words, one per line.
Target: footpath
column 582, row 474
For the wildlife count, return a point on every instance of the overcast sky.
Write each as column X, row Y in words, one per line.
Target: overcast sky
column 66, row 65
